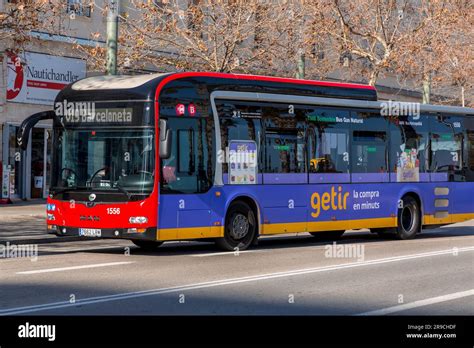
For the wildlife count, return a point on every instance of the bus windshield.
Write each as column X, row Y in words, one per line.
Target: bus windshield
column 106, row 159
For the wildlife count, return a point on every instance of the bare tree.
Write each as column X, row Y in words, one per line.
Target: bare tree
column 372, row 33
column 443, row 54
column 360, row 40
column 213, row 35
column 19, row 18
column 458, row 72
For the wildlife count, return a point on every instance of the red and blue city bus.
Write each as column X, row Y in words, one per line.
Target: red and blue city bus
column 228, row 157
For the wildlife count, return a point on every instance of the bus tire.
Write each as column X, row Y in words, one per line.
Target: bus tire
column 327, row 235
column 240, row 228
column 148, row 245
column 408, row 219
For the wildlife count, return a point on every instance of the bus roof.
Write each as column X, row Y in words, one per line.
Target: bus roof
column 147, row 88
column 388, row 105
column 143, row 87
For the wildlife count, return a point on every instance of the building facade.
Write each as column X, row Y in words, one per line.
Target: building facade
column 30, row 81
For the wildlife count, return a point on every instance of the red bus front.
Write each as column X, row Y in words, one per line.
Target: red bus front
column 104, row 176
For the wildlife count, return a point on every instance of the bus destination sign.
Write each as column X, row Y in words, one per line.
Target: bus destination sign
column 80, row 114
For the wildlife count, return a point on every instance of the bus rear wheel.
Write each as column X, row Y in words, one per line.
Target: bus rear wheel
column 147, row 245
column 240, row 227
column 408, row 219
column 327, row 235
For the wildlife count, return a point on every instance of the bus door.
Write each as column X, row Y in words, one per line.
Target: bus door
column 186, row 178
column 285, row 169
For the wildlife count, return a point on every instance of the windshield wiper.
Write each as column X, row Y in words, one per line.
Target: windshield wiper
column 125, row 192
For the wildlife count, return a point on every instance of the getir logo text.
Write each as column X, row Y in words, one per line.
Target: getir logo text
column 334, row 200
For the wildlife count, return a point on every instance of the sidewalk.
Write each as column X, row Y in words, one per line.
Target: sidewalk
column 25, row 223
column 22, row 209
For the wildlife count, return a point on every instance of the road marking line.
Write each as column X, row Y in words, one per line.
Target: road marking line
column 420, row 303
column 223, row 282
column 234, row 253
column 48, row 270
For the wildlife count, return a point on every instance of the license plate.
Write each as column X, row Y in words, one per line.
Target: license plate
column 90, row 232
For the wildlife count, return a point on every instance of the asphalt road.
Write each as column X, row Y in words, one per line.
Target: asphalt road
column 294, row 274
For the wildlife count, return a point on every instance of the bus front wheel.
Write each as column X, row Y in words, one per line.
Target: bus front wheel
column 408, row 218
column 147, row 245
column 240, row 228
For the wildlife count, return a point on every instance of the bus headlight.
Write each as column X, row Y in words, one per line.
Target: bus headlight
column 51, row 217
column 138, row 220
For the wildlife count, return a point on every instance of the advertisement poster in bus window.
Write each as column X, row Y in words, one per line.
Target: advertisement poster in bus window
column 408, row 166
column 243, row 162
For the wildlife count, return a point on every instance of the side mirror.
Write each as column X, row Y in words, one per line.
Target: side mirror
column 165, row 139
column 28, row 123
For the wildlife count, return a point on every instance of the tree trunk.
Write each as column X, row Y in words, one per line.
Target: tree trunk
column 373, row 77
column 300, row 74
column 426, row 88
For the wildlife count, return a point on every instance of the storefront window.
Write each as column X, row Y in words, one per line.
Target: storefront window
column 37, row 162
column 28, row 171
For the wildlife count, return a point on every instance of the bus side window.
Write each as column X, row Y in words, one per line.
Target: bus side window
column 186, row 151
column 446, row 147
column 189, row 167
column 285, row 151
column 285, row 139
column 312, row 162
column 369, row 155
column 235, row 125
column 329, row 137
column 409, row 139
column 369, row 152
column 332, row 154
column 470, row 155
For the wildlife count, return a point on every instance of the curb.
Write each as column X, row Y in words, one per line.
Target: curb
column 43, row 240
